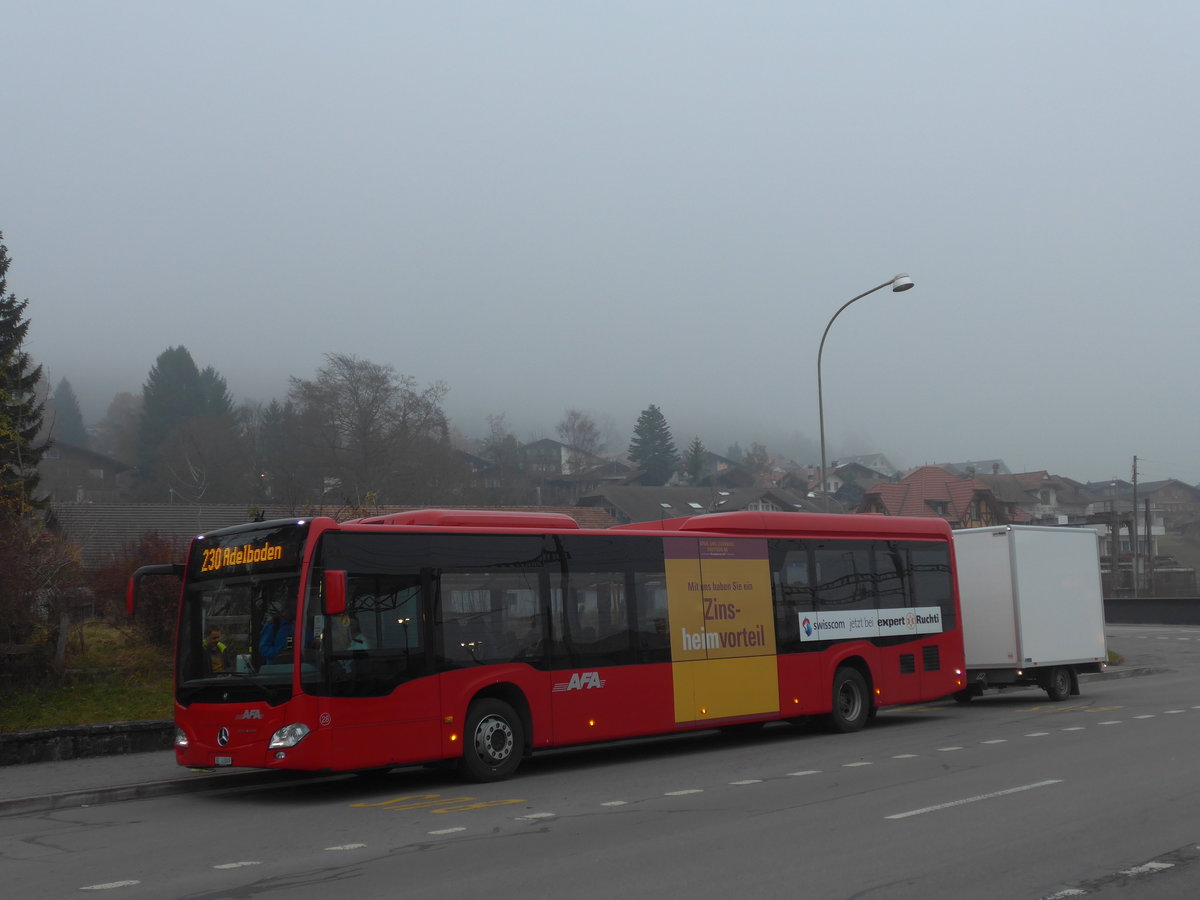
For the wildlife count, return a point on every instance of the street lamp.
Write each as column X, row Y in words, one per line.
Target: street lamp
column 900, row 283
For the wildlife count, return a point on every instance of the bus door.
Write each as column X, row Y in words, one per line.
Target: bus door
column 379, row 708
column 722, row 630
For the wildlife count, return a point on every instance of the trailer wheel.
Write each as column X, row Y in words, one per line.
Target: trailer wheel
column 1057, row 683
column 492, row 741
column 851, row 701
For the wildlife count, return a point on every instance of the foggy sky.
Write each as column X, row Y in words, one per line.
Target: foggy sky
column 608, row 205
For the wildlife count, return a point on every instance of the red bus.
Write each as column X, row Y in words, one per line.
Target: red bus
column 480, row 637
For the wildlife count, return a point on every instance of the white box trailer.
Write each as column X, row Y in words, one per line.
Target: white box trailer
column 1032, row 607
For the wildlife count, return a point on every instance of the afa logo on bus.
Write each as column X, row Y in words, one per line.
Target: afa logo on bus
column 580, row 681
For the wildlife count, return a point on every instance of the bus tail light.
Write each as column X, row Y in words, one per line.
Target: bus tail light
column 289, row 735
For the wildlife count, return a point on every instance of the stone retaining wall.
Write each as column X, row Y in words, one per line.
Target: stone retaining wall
column 79, row 741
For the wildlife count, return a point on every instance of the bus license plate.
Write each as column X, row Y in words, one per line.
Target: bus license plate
column 223, row 761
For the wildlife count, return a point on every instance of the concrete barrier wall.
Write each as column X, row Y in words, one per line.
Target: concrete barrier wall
column 1152, row 610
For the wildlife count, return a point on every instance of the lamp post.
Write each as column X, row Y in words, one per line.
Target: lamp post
column 900, row 283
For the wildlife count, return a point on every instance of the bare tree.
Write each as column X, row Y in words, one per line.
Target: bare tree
column 376, row 433
column 757, row 462
column 579, row 432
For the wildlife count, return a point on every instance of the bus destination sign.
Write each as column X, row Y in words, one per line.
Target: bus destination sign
column 275, row 549
column 218, row 558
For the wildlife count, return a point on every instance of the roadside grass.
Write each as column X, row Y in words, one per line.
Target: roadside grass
column 110, row 675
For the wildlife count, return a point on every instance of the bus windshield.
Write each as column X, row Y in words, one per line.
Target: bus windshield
column 237, row 633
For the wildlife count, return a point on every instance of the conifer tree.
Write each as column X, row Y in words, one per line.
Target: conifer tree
column 652, row 448
column 695, row 461
column 68, row 419
column 20, row 410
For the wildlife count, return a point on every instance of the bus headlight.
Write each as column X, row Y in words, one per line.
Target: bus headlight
column 181, row 738
column 289, row 735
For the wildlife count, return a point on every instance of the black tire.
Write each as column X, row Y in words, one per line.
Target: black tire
column 851, row 701
column 966, row 695
column 493, row 741
column 1057, row 683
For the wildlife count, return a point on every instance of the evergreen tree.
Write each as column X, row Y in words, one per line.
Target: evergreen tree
column 695, row 462
column 215, row 393
column 652, row 448
column 190, row 445
column 172, row 392
column 20, row 410
column 68, row 420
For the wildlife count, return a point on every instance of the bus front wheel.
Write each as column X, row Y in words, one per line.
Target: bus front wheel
column 493, row 741
column 851, row 701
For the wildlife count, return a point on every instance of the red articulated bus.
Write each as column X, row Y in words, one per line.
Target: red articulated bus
column 482, row 636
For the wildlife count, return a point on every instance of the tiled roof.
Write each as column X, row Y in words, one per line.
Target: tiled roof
column 923, row 491
column 102, row 531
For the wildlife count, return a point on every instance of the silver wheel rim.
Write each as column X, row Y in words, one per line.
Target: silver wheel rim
column 849, row 702
column 493, row 739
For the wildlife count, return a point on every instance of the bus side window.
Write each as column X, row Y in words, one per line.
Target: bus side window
column 593, row 627
column 890, row 576
column 791, row 582
column 846, row 580
column 653, row 635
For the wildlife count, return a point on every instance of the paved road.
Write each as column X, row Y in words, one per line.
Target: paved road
column 1012, row 796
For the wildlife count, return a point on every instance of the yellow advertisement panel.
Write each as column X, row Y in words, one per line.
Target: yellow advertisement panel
column 722, row 628
column 722, row 690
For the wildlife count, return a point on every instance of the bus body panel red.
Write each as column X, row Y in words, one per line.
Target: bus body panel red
column 614, row 702
column 375, row 732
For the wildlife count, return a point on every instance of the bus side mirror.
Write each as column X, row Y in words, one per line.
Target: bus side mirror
column 335, row 592
column 131, row 587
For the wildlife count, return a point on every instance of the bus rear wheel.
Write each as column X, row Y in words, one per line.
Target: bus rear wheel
column 493, row 741
column 851, row 701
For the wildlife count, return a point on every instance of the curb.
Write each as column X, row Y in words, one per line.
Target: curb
column 193, row 785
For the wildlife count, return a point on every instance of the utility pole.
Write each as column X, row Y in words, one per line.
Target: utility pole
column 1133, row 531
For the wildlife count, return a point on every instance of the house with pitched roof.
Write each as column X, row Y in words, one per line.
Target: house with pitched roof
column 932, row 491
column 70, row 473
column 1046, row 499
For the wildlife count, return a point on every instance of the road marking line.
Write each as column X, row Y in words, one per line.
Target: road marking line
column 538, row 816
column 1144, row 717
column 855, row 765
column 347, row 847
column 1174, row 712
column 1112, row 722
column 948, row 749
column 615, row 803
column 682, row 793
column 966, row 800
column 1075, row 728
column 1037, row 734
column 996, row 741
column 238, row 865
column 905, row 756
column 748, row 781
column 109, row 886
column 447, row 830
column 1148, row 867
column 806, row 772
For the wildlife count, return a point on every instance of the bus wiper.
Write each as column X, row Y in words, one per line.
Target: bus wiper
column 250, row 676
